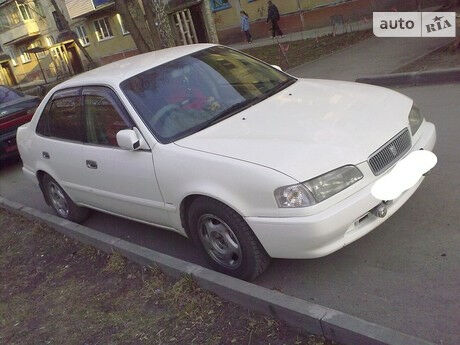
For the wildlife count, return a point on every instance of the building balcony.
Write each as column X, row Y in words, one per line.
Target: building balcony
column 83, row 8
column 20, row 32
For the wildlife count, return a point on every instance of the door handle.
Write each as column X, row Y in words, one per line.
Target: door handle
column 91, row 164
column 45, row 155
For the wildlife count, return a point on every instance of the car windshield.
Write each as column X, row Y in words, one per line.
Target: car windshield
column 8, row 95
column 193, row 92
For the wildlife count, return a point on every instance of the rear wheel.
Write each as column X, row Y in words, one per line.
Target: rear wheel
column 61, row 202
column 226, row 239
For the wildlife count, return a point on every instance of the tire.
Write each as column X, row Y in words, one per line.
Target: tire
column 226, row 240
column 61, row 203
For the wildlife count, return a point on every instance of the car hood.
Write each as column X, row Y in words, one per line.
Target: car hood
column 309, row 128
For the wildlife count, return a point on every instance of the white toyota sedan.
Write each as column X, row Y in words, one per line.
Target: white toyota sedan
column 247, row 161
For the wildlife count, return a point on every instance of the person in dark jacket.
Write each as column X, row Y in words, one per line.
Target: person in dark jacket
column 273, row 17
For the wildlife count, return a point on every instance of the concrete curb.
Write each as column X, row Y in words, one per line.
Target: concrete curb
column 443, row 76
column 303, row 315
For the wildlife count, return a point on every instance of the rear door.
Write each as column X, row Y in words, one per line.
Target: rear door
column 59, row 141
column 119, row 181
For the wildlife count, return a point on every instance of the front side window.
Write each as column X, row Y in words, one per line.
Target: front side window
column 102, row 118
column 193, row 92
column 103, row 29
column 62, row 118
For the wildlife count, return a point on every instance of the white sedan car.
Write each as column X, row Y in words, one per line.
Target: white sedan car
column 244, row 159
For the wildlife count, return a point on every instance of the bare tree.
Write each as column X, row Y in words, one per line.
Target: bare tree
column 66, row 26
column 152, row 24
column 121, row 7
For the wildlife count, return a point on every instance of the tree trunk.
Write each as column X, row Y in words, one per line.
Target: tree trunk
column 152, row 24
column 66, row 25
column 122, row 8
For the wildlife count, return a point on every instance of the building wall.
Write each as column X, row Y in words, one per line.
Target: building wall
column 315, row 14
column 107, row 50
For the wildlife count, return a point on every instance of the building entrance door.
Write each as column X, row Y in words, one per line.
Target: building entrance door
column 7, row 74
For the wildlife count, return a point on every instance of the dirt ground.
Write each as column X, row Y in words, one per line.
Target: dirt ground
column 299, row 52
column 441, row 59
column 54, row 290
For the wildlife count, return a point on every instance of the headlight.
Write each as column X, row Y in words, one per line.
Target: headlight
column 293, row 196
column 415, row 119
column 317, row 189
column 331, row 183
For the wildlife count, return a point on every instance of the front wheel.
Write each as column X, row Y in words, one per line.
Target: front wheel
column 226, row 239
column 61, row 202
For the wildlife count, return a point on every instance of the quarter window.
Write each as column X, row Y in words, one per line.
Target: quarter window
column 103, row 119
column 103, row 29
column 62, row 119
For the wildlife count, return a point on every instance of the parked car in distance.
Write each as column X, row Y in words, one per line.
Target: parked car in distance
column 247, row 161
column 16, row 109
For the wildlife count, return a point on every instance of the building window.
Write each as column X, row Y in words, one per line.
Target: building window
column 58, row 22
column 103, row 30
column 82, row 35
column 12, row 54
column 25, row 56
column 25, row 11
column 217, row 5
column 38, row 44
column 50, row 41
column 123, row 29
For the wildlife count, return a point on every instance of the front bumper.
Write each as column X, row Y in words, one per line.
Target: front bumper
column 327, row 231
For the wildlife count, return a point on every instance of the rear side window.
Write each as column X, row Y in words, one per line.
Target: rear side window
column 62, row 118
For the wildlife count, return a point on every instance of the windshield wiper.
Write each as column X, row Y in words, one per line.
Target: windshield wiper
column 228, row 112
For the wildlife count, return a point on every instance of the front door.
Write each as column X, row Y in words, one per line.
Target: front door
column 119, row 181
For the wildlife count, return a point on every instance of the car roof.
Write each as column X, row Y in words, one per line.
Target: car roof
column 115, row 72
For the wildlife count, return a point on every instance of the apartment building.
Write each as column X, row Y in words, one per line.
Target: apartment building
column 102, row 32
column 35, row 45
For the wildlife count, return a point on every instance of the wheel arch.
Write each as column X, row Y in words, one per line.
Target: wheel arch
column 189, row 199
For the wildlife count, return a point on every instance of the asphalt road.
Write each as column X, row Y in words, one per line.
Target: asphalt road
column 404, row 275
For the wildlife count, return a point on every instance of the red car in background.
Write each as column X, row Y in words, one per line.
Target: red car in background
column 16, row 109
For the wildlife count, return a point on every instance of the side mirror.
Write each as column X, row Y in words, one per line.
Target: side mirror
column 127, row 139
column 277, row 67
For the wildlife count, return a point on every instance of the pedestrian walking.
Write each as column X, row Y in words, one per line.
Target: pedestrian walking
column 245, row 26
column 273, row 17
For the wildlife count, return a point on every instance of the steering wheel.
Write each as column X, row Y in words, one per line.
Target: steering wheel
column 160, row 114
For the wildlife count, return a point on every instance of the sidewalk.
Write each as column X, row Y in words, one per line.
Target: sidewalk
column 296, row 36
column 369, row 57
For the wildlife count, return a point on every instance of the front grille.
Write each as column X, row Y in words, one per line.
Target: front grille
column 391, row 152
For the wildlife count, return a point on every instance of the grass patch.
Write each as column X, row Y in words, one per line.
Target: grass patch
column 54, row 290
column 310, row 49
